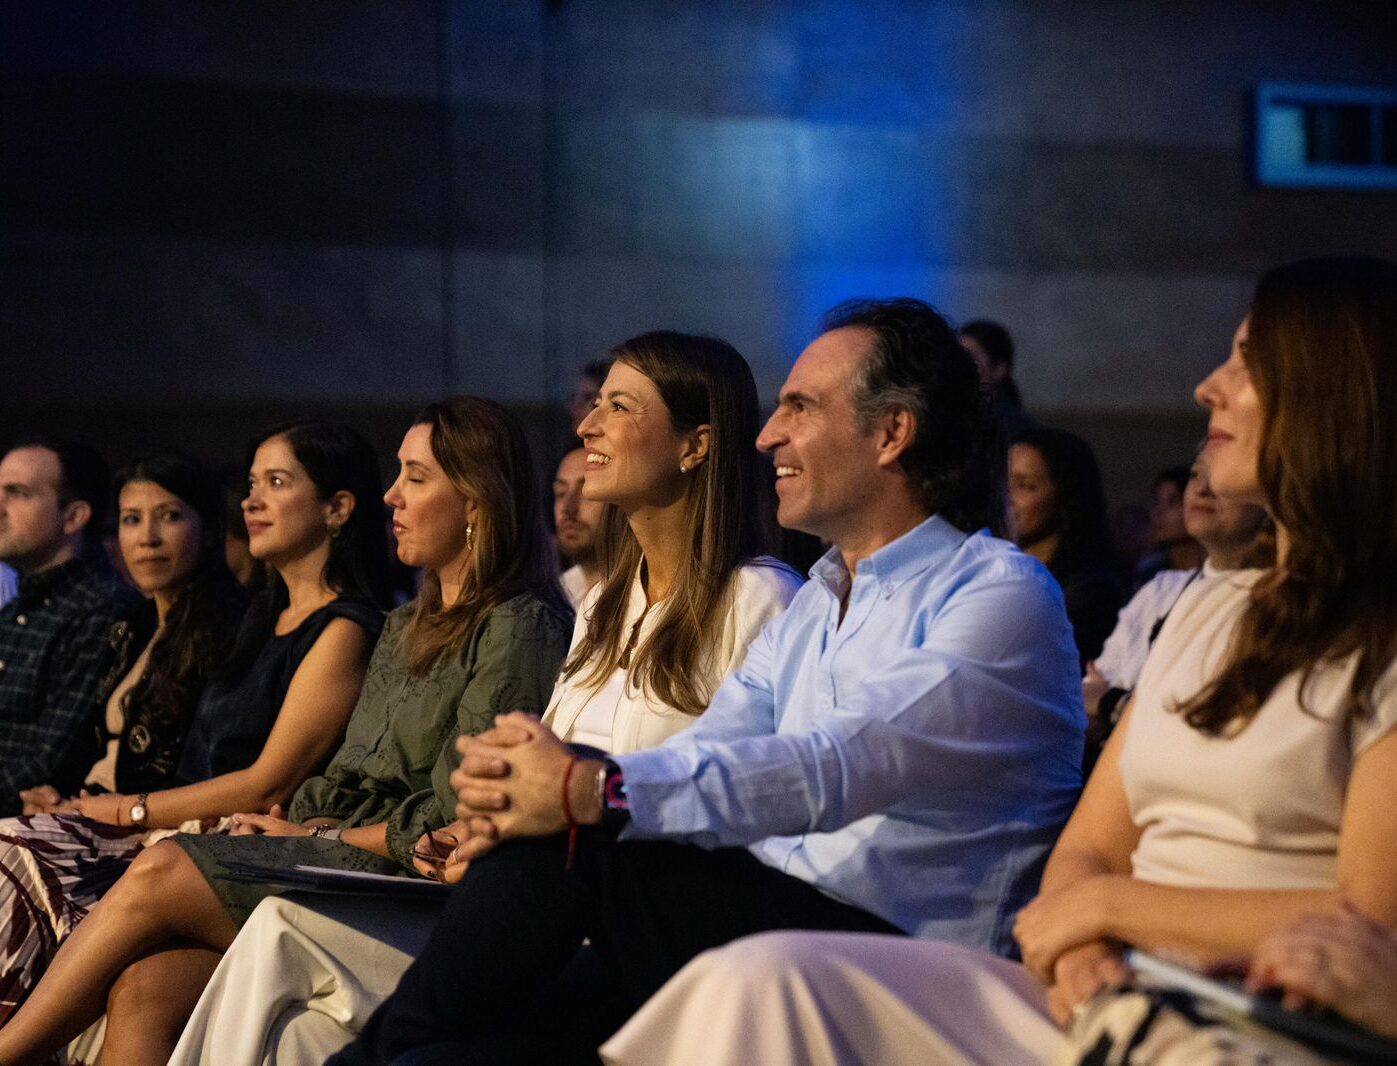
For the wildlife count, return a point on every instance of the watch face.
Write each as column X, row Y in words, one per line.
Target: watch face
column 138, row 813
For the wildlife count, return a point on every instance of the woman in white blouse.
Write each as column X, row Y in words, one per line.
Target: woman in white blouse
column 670, row 451
column 1249, row 783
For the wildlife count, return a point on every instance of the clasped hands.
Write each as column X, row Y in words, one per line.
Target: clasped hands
column 1065, row 940
column 509, row 784
column 511, row 779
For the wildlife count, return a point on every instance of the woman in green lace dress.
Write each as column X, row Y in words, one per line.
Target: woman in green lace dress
column 486, row 635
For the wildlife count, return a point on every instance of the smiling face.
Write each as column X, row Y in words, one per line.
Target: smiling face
column 577, row 518
column 31, row 516
column 1235, row 426
column 430, row 513
column 1032, row 496
column 159, row 535
column 286, row 519
column 633, row 451
column 826, row 462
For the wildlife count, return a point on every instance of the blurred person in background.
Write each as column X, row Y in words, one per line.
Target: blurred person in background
column 1173, row 549
column 1057, row 510
column 1234, row 534
column 584, row 393
column 577, row 522
column 236, row 553
column 992, row 348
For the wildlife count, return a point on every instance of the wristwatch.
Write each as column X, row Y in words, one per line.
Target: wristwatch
column 612, row 797
column 326, row 832
column 139, row 814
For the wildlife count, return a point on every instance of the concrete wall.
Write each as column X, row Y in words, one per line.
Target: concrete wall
column 357, row 206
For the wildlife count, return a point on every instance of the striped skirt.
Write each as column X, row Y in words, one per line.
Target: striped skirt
column 53, row 869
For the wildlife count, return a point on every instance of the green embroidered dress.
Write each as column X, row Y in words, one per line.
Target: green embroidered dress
column 399, row 748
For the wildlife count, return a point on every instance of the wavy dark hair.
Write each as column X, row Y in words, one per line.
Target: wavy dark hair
column 956, row 459
column 204, row 615
column 1084, row 531
column 482, row 449
column 337, row 459
column 729, row 519
column 1321, row 347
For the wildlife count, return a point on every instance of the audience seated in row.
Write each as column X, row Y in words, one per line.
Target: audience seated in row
column 688, row 589
column 270, row 710
column 916, row 708
column 1247, row 787
column 396, row 717
column 896, row 755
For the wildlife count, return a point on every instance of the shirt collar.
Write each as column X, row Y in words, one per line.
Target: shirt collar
column 55, row 578
column 919, row 549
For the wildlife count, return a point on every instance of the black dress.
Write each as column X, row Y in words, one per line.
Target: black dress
column 235, row 714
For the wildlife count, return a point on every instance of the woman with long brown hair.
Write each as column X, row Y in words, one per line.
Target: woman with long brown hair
column 1250, row 780
column 487, row 634
column 687, row 585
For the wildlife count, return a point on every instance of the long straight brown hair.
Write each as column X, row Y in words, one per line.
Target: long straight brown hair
column 482, row 450
column 1322, row 352
column 728, row 519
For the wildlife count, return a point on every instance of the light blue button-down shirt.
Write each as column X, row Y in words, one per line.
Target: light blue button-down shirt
column 917, row 760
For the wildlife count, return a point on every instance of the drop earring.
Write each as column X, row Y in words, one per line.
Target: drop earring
column 470, row 535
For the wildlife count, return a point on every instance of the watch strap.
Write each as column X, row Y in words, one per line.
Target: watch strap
column 140, row 805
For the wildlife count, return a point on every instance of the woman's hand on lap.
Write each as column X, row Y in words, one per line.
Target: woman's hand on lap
column 271, row 824
column 110, row 808
column 445, row 854
column 1054, row 923
column 1080, row 973
column 1342, row 961
column 42, row 799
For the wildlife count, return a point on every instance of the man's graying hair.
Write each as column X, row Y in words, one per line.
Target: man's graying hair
column 956, row 460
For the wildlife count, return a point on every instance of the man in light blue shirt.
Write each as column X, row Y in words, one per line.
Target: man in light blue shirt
column 897, row 753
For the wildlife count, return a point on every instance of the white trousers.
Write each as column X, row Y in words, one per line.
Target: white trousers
column 830, row 999
column 302, row 978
